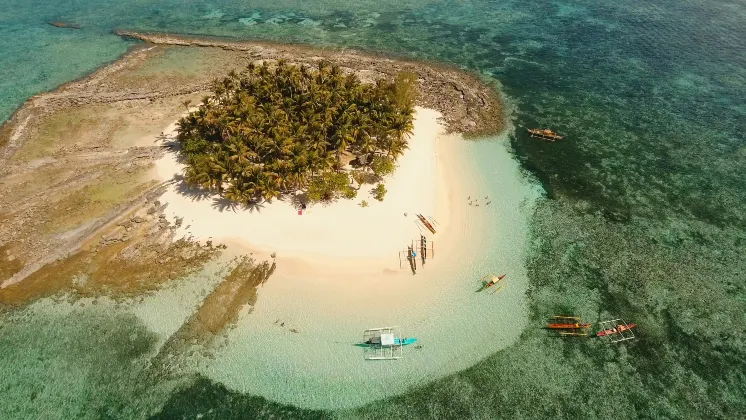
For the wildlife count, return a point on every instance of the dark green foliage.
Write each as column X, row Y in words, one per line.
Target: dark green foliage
column 330, row 186
column 379, row 192
column 273, row 131
column 382, row 166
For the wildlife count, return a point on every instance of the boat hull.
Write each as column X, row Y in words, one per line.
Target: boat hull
column 618, row 329
column 397, row 342
column 567, row 326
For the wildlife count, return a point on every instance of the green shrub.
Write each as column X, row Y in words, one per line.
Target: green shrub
column 379, row 192
column 382, row 166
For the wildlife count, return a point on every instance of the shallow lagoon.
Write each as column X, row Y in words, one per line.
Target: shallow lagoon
column 645, row 219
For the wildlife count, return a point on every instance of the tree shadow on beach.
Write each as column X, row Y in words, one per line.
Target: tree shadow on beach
column 171, row 145
column 299, row 201
column 222, row 204
column 194, row 193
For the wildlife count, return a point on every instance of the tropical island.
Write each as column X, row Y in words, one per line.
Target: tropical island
column 272, row 131
column 113, row 193
column 97, row 179
column 93, row 145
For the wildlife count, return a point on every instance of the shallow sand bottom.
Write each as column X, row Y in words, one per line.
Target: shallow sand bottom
column 298, row 343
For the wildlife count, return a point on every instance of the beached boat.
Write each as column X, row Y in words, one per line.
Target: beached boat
column 545, row 134
column 619, row 329
column 426, row 223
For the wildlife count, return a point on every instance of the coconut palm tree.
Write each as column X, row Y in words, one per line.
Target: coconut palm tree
column 271, row 129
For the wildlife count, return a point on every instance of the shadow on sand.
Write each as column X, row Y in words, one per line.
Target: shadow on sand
column 170, row 144
column 221, row 204
column 193, row 192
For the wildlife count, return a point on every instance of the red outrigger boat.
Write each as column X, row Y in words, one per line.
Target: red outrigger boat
column 619, row 328
column 568, row 326
column 426, row 223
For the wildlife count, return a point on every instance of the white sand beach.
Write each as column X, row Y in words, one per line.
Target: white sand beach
column 338, row 273
column 342, row 229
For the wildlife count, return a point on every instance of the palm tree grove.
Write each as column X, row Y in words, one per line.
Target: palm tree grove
column 316, row 133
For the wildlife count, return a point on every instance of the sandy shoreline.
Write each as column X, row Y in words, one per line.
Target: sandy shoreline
column 338, row 267
column 343, row 229
column 78, row 139
column 327, row 288
column 329, row 301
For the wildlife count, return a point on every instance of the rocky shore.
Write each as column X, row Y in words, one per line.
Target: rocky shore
column 469, row 105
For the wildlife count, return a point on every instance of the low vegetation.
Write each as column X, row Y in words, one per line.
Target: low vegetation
column 284, row 129
column 379, row 192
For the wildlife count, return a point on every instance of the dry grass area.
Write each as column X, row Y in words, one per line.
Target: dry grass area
column 5, row 131
column 79, row 160
column 61, row 130
column 9, row 263
column 176, row 66
column 93, row 201
column 134, row 257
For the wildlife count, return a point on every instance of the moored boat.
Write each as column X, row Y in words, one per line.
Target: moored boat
column 619, row 328
column 576, row 325
column 376, row 342
column 545, row 134
column 493, row 280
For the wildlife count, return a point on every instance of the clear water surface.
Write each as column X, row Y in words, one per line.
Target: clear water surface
column 644, row 217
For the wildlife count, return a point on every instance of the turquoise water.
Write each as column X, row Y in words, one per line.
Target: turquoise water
column 645, row 217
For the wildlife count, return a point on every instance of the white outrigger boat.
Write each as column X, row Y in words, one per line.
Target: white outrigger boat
column 384, row 344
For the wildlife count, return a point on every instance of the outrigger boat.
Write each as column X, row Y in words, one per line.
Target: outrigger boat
column 619, row 329
column 377, row 341
column 493, row 280
column 545, row 134
column 384, row 344
column 576, row 325
column 426, row 223
column 569, row 325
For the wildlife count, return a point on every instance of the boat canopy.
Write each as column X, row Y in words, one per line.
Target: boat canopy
column 387, row 339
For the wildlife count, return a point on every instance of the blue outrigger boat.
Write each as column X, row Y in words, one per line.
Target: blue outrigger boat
column 397, row 342
column 383, row 344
